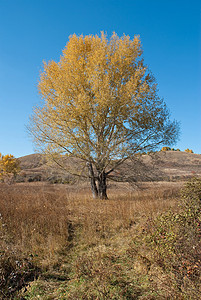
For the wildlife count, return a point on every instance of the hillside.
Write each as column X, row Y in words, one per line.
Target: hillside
column 34, row 167
column 178, row 165
column 165, row 165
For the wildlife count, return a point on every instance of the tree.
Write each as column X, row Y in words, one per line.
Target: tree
column 9, row 167
column 166, row 148
column 189, row 150
column 100, row 105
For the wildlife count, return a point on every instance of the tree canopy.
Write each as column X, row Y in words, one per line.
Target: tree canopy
column 9, row 167
column 101, row 105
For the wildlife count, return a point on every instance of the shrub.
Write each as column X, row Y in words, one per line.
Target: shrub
column 166, row 149
column 189, row 150
column 15, row 273
column 174, row 238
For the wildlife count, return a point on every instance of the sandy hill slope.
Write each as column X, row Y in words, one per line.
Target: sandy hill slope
column 178, row 165
column 165, row 165
column 34, row 167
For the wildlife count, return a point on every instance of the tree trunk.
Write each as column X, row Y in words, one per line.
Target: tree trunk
column 102, row 186
column 92, row 180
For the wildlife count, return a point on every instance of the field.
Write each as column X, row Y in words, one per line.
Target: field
column 59, row 243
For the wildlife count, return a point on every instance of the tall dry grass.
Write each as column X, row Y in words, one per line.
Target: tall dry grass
column 38, row 218
column 46, row 223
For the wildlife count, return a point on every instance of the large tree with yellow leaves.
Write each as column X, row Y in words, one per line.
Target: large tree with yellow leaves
column 100, row 105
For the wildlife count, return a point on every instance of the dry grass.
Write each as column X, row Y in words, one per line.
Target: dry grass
column 37, row 216
column 82, row 242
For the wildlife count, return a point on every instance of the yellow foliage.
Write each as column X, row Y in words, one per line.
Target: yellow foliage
column 166, row 149
column 100, row 103
column 9, row 166
column 189, row 150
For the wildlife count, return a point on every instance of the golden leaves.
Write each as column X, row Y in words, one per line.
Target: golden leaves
column 99, row 99
column 8, row 166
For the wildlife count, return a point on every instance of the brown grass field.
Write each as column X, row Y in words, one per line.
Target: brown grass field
column 59, row 243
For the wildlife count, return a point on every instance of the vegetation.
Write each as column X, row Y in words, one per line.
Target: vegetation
column 9, row 167
column 166, row 149
column 189, row 150
column 139, row 245
column 169, row 149
column 175, row 239
column 100, row 106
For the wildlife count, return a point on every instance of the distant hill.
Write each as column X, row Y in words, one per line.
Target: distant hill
column 34, row 167
column 178, row 164
column 164, row 165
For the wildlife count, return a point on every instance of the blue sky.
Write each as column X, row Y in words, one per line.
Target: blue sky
column 35, row 30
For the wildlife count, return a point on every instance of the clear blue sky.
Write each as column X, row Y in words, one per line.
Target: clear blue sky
column 35, row 30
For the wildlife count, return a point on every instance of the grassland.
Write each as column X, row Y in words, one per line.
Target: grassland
column 59, row 243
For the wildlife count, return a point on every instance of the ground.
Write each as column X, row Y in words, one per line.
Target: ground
column 59, row 243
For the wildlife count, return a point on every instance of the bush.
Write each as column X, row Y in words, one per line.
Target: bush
column 166, row 149
column 175, row 241
column 15, row 273
column 189, row 150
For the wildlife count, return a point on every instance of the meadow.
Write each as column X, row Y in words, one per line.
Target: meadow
column 59, row 243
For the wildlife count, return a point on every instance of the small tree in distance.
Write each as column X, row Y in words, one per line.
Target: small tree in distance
column 9, row 167
column 189, row 150
column 165, row 148
column 101, row 106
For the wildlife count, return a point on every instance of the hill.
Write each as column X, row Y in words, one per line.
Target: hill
column 178, row 165
column 164, row 165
